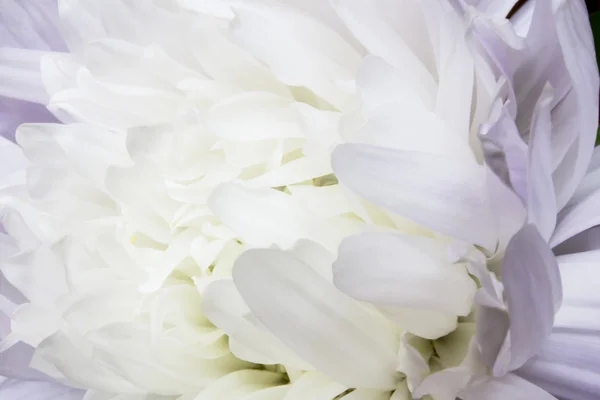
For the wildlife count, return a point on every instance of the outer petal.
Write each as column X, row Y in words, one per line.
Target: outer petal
column 580, row 213
column 577, row 45
column 508, row 387
column 497, row 8
column 14, row 389
column 568, row 364
column 26, row 25
column 531, row 277
column 541, row 201
column 322, row 325
column 504, row 150
column 444, row 194
column 31, row 25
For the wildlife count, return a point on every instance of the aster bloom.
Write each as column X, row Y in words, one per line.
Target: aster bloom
column 196, row 136
column 176, row 241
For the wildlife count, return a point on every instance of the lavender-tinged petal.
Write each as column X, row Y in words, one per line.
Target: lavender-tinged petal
column 15, row 389
column 540, row 63
column 567, row 366
column 508, row 387
column 531, row 277
column 14, row 112
column 504, row 150
column 585, row 241
column 14, row 363
column 497, row 8
column 31, row 25
column 580, row 214
column 513, row 215
column 27, row 25
column 580, row 311
column 577, row 45
column 541, row 200
column 442, row 193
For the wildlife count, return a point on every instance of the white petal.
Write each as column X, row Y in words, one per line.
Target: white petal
column 444, row 194
column 407, row 125
column 368, row 394
column 225, row 308
column 35, row 390
column 408, row 272
column 444, row 385
column 303, row 53
column 383, row 28
column 455, row 91
column 262, row 217
column 299, row 170
column 238, row 384
column 254, row 116
column 315, row 386
column 412, row 363
column 422, row 322
column 322, row 325
column 379, row 83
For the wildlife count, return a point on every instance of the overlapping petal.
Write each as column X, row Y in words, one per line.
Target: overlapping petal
column 33, row 26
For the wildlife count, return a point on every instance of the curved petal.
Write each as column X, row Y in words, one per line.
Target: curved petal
column 531, row 277
column 567, row 365
column 325, row 327
column 541, row 200
column 577, row 46
column 225, row 308
column 263, row 217
column 394, row 31
column 444, row 194
column 580, row 213
column 508, row 387
column 314, row 385
column 305, row 53
column 239, row 384
column 408, row 272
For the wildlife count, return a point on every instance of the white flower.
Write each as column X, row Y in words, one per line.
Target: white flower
column 196, row 148
column 189, row 137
